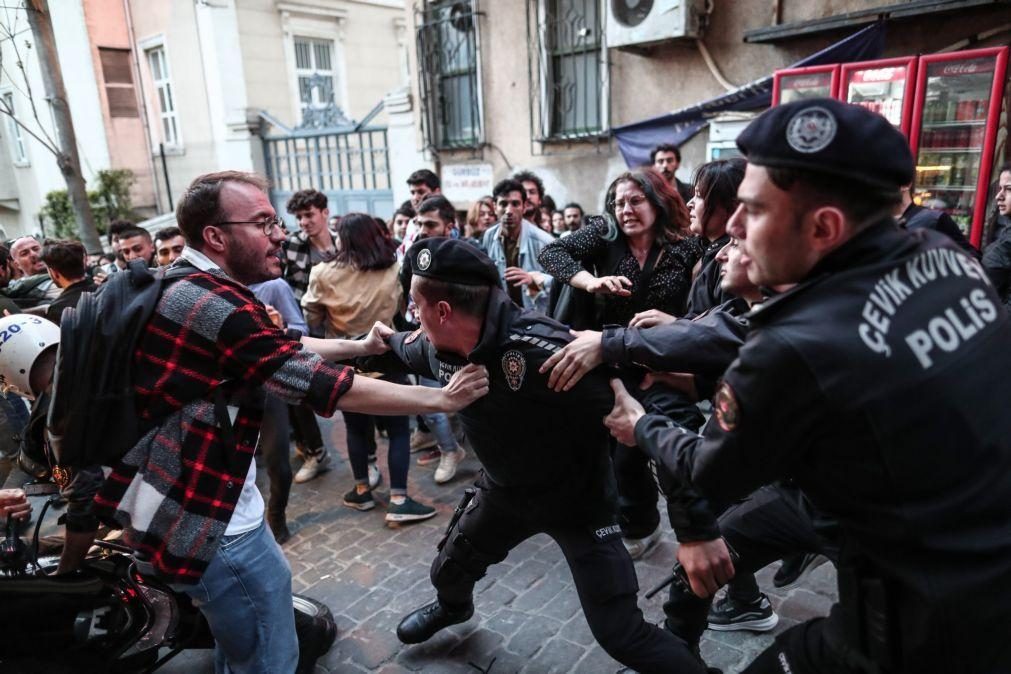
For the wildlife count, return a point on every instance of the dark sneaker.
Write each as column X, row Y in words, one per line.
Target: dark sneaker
column 727, row 615
column 796, row 567
column 409, row 511
column 420, row 625
column 364, row 501
column 279, row 527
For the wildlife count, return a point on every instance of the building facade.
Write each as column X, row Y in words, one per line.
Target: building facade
column 535, row 84
column 172, row 89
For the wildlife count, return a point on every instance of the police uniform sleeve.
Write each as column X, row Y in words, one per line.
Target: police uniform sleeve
column 704, row 346
column 766, row 412
column 997, row 262
column 409, row 354
column 948, row 226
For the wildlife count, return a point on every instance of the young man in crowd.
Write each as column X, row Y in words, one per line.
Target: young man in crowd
column 572, row 216
column 533, row 190
column 65, row 262
column 436, row 218
column 168, row 245
column 666, row 158
column 311, row 244
column 136, row 244
column 514, row 243
column 34, row 286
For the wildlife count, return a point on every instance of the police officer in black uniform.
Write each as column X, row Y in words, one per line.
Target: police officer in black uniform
column 879, row 384
column 466, row 316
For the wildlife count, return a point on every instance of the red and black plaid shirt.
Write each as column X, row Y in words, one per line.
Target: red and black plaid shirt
column 175, row 492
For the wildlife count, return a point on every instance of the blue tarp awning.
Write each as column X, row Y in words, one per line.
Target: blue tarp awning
column 636, row 140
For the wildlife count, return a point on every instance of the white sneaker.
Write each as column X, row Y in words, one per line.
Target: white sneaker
column 312, row 467
column 421, row 440
column 638, row 547
column 375, row 477
column 447, row 465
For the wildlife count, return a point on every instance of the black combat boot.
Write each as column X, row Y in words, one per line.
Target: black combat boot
column 421, row 624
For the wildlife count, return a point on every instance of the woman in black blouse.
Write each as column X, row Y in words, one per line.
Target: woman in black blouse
column 642, row 256
column 640, row 250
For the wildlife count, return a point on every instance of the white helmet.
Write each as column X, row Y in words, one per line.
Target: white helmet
column 23, row 338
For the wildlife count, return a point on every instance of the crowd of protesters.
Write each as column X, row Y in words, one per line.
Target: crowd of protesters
column 659, row 253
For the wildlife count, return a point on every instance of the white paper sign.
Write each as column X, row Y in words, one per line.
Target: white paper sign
column 466, row 182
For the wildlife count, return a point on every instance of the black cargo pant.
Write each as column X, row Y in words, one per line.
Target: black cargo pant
column 490, row 526
column 773, row 522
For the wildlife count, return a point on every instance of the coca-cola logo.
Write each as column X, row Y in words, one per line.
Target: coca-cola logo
column 808, row 82
column 879, row 75
column 962, row 69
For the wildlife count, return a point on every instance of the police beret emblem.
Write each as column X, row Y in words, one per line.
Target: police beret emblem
column 725, row 407
column 514, row 365
column 424, row 259
column 811, row 130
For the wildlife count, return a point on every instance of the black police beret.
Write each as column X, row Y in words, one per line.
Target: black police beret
column 452, row 261
column 831, row 137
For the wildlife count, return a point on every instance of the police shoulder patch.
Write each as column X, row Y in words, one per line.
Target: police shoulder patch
column 725, row 407
column 514, row 366
column 411, row 338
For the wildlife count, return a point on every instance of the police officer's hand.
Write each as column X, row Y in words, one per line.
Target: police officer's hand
column 467, row 385
column 574, row 360
column 377, row 340
column 610, row 285
column 14, row 502
column 623, row 417
column 707, row 564
column 647, row 319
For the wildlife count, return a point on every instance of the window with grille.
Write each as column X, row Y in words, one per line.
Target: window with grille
column 315, row 72
column 165, row 92
column 568, row 68
column 450, row 88
column 19, row 153
column 118, row 77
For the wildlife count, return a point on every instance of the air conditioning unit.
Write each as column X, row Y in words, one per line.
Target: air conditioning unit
column 642, row 23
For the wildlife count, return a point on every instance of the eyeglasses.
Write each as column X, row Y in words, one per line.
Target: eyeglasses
column 634, row 202
column 267, row 225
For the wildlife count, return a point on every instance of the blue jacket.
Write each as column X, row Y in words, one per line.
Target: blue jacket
column 532, row 240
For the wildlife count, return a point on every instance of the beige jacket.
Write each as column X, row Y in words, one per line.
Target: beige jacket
column 348, row 301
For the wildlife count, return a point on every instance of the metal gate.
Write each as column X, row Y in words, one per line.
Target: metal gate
column 351, row 167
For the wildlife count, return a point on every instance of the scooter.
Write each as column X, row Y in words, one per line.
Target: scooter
column 108, row 617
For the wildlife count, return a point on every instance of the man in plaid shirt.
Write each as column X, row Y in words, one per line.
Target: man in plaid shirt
column 185, row 494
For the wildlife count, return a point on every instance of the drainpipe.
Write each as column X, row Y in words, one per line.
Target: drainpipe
column 142, row 102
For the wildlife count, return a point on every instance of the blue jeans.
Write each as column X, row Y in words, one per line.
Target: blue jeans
column 439, row 422
column 361, row 434
column 245, row 595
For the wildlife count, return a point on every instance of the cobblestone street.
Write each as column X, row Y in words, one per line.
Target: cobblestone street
column 527, row 615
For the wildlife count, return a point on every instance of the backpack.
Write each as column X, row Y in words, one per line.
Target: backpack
column 91, row 418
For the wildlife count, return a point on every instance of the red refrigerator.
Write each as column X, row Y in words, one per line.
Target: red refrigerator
column 885, row 86
column 794, row 84
column 954, row 132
